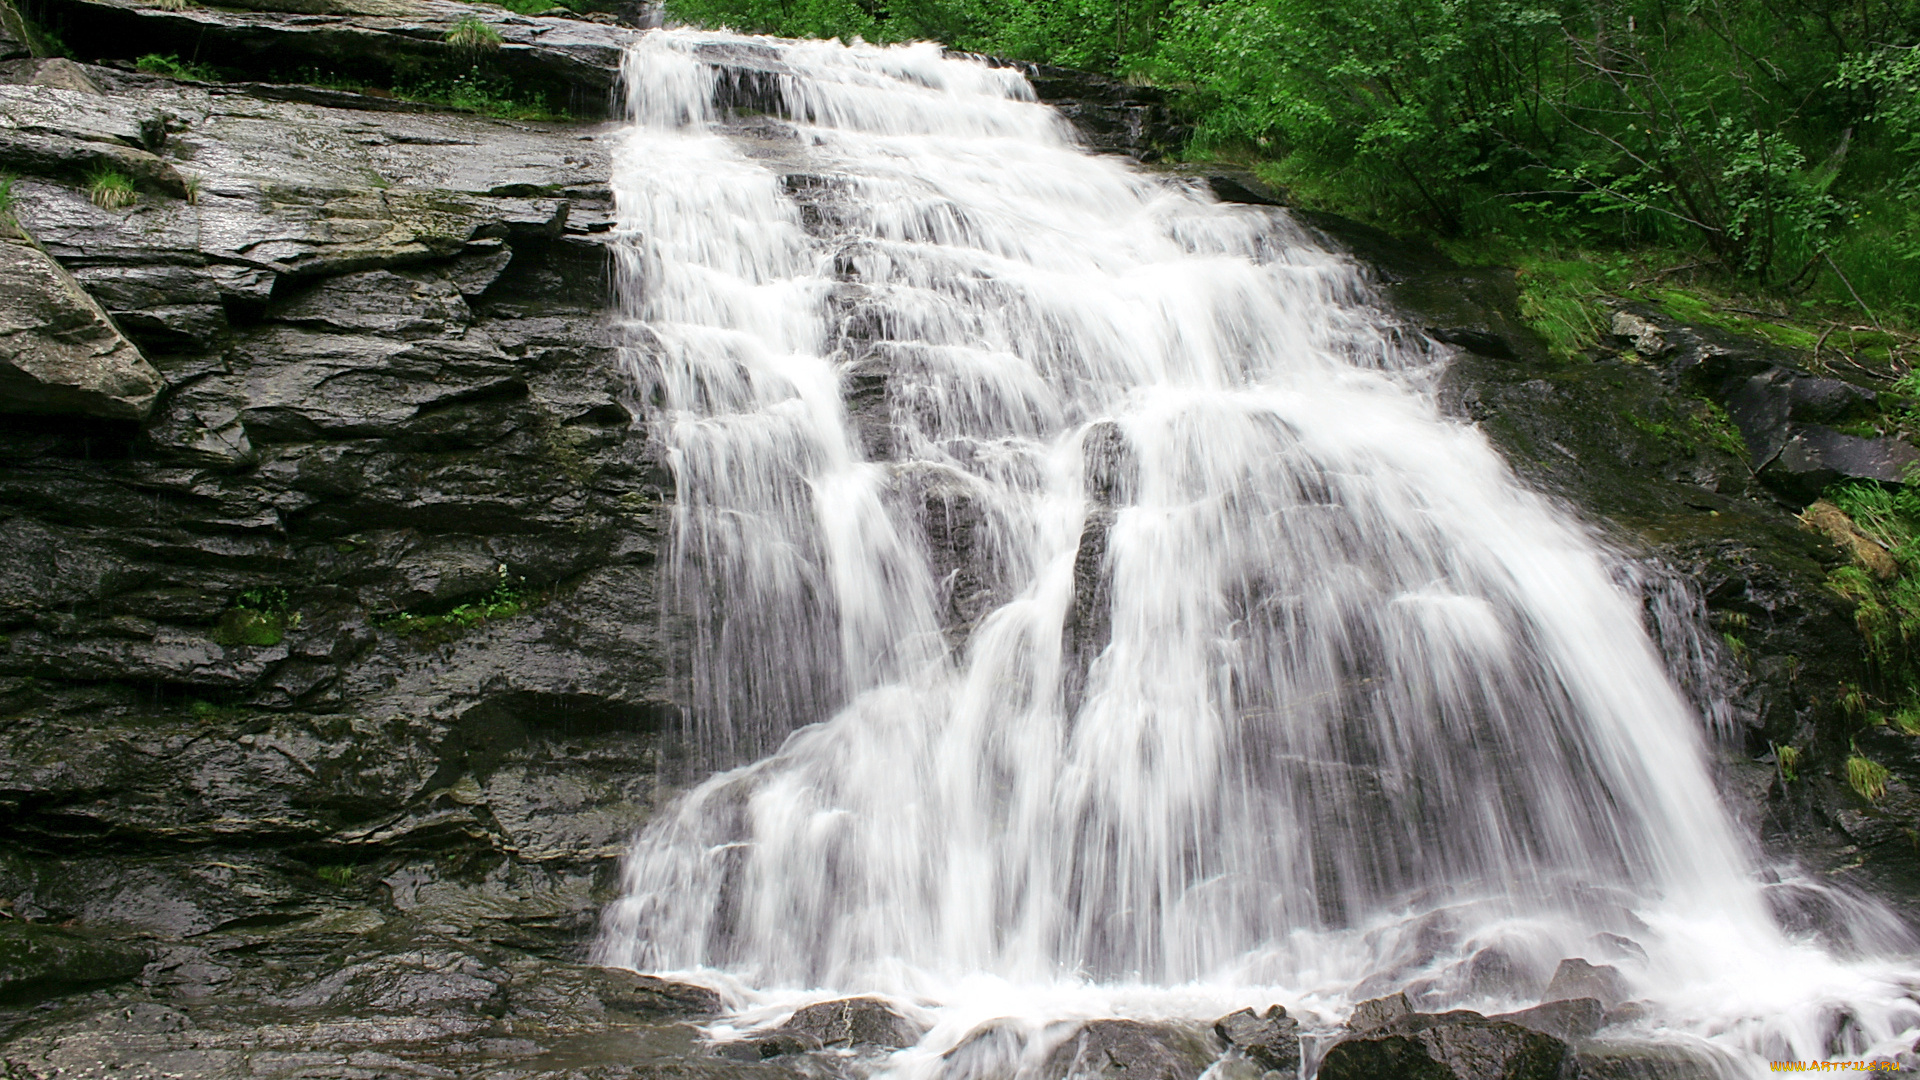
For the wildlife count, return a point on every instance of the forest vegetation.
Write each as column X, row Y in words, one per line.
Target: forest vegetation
column 1769, row 147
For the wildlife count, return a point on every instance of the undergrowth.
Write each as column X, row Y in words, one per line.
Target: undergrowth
column 173, row 67
column 508, row 598
column 259, row 617
column 1886, row 611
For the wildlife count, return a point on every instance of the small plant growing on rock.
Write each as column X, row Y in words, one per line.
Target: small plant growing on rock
column 1788, row 758
column 335, row 875
column 6, row 197
column 258, row 617
column 173, row 67
column 111, row 189
column 473, row 35
column 1868, row 778
column 507, row 599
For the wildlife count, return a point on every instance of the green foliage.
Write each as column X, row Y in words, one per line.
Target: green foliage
column 1788, row 760
column 259, row 617
column 6, row 196
column 110, row 189
column 173, row 67
column 339, row 874
column 473, row 34
column 1776, row 142
column 508, row 598
column 208, row 713
column 1868, row 778
column 476, row 90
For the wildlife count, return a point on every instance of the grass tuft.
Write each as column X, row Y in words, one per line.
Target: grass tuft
column 473, row 35
column 1868, row 778
column 111, row 189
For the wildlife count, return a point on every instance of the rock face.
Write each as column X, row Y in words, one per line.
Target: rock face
column 59, row 353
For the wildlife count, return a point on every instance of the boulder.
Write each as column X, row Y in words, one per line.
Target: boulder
column 1448, row 1046
column 53, row 71
column 15, row 39
column 1576, row 978
column 849, row 1022
column 1379, row 1012
column 1271, row 1039
column 39, row 962
column 1129, row 1050
column 1641, row 333
column 1570, row 1019
column 59, row 352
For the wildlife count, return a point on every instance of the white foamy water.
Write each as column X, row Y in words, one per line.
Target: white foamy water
column 1098, row 617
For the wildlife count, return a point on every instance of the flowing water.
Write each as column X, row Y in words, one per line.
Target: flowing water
column 1097, row 616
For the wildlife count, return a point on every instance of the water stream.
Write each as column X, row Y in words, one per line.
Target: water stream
column 1095, row 614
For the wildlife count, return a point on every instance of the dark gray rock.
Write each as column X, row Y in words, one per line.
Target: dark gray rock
column 573, row 61
column 1379, row 1012
column 1647, row 1061
column 59, row 353
column 16, row 41
column 1448, row 1046
column 1576, row 978
column 1497, row 973
column 1129, row 1050
column 852, row 1022
column 991, row 1051
column 1271, row 1039
column 39, row 962
column 1570, row 1019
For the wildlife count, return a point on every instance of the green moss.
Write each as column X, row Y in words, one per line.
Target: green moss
column 240, row 626
column 476, row 90
column 339, row 874
column 508, row 598
column 6, row 197
column 207, row 712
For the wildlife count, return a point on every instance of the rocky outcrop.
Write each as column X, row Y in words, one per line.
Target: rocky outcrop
column 59, row 353
column 571, row 62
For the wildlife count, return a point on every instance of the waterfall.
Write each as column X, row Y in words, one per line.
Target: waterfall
column 1092, row 609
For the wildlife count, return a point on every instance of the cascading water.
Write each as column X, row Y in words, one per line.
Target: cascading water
column 1136, row 637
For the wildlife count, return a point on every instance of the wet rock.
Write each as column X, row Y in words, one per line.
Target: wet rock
column 59, row 353
column 38, row 962
column 1571, row 1019
column 54, row 71
column 1379, row 1012
column 1643, row 335
column 15, row 40
column 852, row 1022
column 1815, row 457
column 1448, row 1046
column 1110, row 115
column 991, row 1051
column 573, row 60
column 1648, row 1061
column 1129, row 1050
column 1271, row 1038
column 1497, row 973
column 1576, row 978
